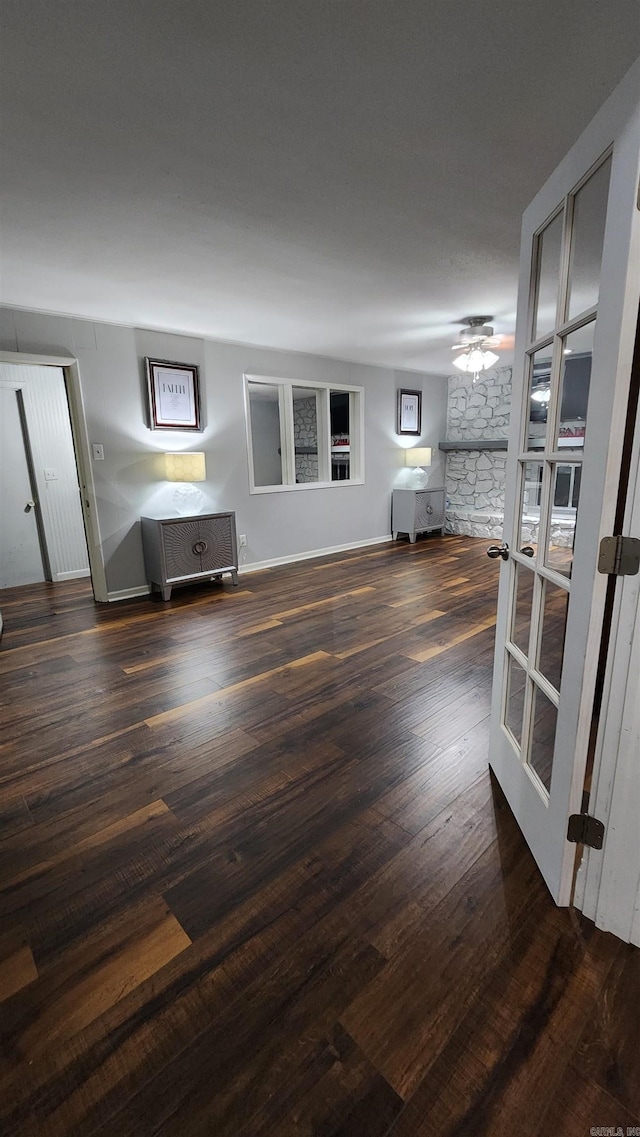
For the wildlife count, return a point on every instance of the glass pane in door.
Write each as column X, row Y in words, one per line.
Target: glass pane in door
column 549, row 247
column 555, row 603
column 562, row 519
column 543, row 736
column 522, row 602
column 589, row 216
column 539, row 396
column 530, row 498
column 516, row 689
column 574, row 387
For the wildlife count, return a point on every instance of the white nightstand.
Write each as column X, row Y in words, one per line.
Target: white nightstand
column 417, row 511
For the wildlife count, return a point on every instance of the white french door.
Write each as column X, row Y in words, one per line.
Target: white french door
column 577, row 310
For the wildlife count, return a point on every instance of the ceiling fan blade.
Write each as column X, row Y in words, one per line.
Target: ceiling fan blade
column 502, row 341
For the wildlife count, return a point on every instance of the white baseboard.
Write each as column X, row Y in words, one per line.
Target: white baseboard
column 144, row 590
column 256, row 566
column 129, row 593
column 75, row 574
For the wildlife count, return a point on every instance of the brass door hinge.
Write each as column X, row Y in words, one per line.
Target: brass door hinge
column 585, row 830
column 619, row 556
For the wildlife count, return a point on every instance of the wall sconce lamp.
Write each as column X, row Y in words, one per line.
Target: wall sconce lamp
column 185, row 469
column 418, row 458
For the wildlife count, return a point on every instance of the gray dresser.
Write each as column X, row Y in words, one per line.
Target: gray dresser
column 417, row 511
column 178, row 550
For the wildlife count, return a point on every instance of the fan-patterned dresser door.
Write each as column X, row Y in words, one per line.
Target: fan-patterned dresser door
column 429, row 509
column 216, row 536
column 182, row 548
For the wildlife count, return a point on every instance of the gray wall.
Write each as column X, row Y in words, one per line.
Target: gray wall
column 129, row 481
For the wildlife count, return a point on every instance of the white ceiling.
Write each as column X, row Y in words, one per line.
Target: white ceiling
column 336, row 176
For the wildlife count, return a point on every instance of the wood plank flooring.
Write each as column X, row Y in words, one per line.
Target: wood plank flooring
column 256, row 880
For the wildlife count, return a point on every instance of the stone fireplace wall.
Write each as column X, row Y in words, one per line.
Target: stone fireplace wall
column 475, row 478
column 305, row 428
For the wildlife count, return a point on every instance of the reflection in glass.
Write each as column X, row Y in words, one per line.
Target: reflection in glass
column 340, row 436
column 562, row 521
column 574, row 389
column 264, row 409
column 589, row 215
column 543, row 736
column 567, row 487
column 530, row 504
column 305, row 434
column 523, row 598
column 549, row 246
column 539, row 396
column 516, row 687
column 554, row 623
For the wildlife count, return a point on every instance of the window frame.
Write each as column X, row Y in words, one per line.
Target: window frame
column 287, row 440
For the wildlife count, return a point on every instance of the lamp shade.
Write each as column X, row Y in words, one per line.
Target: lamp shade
column 418, row 456
column 185, row 467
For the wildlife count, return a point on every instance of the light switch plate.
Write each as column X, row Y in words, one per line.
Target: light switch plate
column 97, row 449
column 50, row 476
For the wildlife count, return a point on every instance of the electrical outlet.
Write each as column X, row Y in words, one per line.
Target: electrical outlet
column 50, row 476
column 242, row 539
column 97, row 449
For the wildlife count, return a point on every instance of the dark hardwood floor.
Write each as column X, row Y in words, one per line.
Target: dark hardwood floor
column 255, row 878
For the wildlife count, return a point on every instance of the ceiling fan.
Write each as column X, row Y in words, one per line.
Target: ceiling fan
column 476, row 341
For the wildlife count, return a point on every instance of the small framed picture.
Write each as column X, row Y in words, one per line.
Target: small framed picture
column 174, row 395
column 409, row 412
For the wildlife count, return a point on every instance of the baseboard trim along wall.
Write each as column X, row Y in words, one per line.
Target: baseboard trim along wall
column 73, row 574
column 256, row 566
column 129, row 593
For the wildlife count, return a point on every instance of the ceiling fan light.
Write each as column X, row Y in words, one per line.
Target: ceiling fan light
column 490, row 359
column 479, row 360
column 462, row 362
column 476, row 360
column 475, row 337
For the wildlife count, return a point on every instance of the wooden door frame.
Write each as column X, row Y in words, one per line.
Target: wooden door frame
column 88, row 499
column 608, row 881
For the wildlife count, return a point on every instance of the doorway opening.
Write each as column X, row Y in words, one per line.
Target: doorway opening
column 48, row 525
column 42, row 536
